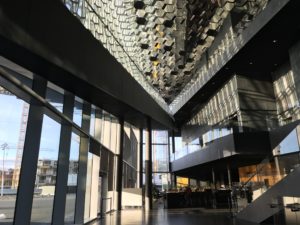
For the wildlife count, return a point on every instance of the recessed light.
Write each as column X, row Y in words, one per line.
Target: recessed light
column 275, row 41
column 251, row 63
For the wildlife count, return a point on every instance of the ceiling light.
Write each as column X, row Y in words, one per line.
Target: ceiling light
column 155, row 63
column 157, row 46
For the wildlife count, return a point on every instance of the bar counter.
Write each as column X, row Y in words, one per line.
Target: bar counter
column 204, row 199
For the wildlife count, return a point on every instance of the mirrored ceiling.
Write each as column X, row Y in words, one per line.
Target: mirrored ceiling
column 159, row 42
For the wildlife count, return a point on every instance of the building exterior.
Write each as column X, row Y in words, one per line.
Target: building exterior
column 102, row 101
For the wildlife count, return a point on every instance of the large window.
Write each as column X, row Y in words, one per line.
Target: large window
column 77, row 113
column 161, row 181
column 160, row 151
column 88, row 187
column 72, row 179
column 55, row 96
column 289, row 144
column 286, row 97
column 46, row 172
column 14, row 116
column 130, row 156
column 13, row 123
column 219, row 108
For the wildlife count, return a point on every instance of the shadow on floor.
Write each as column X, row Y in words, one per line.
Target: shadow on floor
column 171, row 217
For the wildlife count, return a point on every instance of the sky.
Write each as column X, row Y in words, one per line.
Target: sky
column 10, row 123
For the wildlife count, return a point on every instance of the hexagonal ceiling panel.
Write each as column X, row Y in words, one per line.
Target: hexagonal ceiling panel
column 157, row 41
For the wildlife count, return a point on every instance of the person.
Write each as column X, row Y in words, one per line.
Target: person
column 188, row 196
column 234, row 193
column 249, row 194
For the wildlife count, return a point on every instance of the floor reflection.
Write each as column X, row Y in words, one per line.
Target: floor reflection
column 170, row 217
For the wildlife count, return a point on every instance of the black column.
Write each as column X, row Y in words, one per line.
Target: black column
column 148, row 166
column 173, row 142
column 58, row 215
column 30, row 155
column 229, row 175
column 120, row 164
column 141, row 159
column 82, row 166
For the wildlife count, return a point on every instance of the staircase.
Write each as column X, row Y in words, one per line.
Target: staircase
column 270, row 202
column 276, row 180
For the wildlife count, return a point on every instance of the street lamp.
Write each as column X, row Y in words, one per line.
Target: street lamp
column 3, row 147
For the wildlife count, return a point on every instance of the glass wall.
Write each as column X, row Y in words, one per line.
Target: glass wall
column 286, row 97
column 93, row 121
column 72, row 179
column 130, row 156
column 13, row 124
column 88, row 187
column 160, row 151
column 223, row 105
column 46, row 172
column 289, row 144
column 104, row 128
column 77, row 113
column 160, row 161
column 55, row 96
column 161, row 155
column 161, row 182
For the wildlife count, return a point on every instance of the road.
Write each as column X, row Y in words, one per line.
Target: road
column 41, row 209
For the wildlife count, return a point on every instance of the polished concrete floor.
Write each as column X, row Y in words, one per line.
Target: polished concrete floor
column 170, row 217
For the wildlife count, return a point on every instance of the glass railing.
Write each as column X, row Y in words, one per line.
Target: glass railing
column 207, row 138
column 270, row 171
column 215, row 132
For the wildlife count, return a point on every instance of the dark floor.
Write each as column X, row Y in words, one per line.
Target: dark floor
column 170, row 217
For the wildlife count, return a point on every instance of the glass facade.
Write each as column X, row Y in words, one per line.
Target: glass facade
column 104, row 130
column 160, row 151
column 55, row 96
column 13, row 124
column 72, row 179
column 46, row 172
column 289, row 144
column 223, row 105
column 77, row 112
column 130, row 156
column 79, row 162
column 286, row 98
